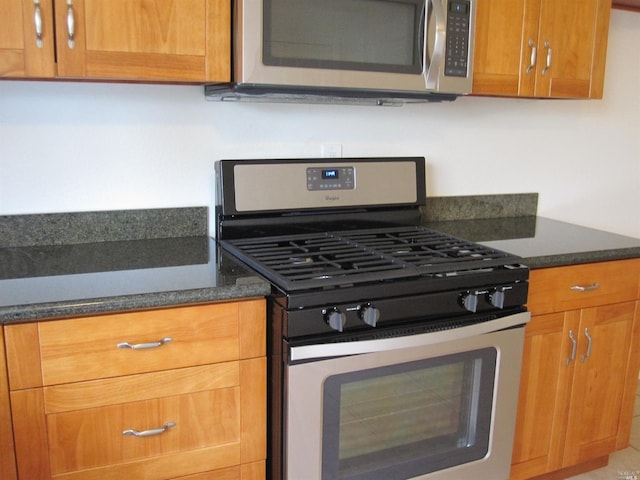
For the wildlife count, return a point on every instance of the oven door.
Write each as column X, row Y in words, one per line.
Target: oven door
column 431, row 406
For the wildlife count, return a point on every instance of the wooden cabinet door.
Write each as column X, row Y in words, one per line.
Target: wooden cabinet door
column 566, row 44
column 73, row 393
column 26, row 51
column 163, row 40
column 7, row 454
column 75, row 431
column 516, row 40
column 600, row 380
column 496, row 63
column 544, row 394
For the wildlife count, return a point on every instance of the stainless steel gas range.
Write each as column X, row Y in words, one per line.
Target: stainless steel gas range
column 394, row 350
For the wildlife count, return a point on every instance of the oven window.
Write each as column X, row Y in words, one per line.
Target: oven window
column 405, row 420
column 369, row 35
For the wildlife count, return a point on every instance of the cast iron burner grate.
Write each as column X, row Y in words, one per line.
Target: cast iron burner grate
column 302, row 261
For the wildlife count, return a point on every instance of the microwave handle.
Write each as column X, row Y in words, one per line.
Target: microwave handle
column 432, row 70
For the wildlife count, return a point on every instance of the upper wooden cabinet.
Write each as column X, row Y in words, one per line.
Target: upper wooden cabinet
column 541, row 48
column 27, row 50
column 140, row 40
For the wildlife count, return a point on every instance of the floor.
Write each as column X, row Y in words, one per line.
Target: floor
column 625, row 464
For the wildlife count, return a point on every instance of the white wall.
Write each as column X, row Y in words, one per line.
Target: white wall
column 82, row 147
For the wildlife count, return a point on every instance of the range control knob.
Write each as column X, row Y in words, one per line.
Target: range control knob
column 496, row 297
column 469, row 301
column 334, row 318
column 369, row 314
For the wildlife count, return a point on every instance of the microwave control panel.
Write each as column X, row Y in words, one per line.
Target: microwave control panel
column 457, row 47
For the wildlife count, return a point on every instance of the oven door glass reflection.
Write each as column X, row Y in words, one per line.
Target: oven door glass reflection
column 406, row 420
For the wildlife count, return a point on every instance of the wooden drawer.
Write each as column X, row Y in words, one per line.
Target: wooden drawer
column 554, row 289
column 75, row 431
column 248, row 471
column 63, row 351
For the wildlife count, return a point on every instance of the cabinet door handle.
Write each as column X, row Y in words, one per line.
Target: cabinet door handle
column 534, row 56
column 589, row 342
column 574, row 347
column 145, row 346
column 71, row 25
column 585, row 288
column 37, row 20
column 547, row 45
column 149, row 433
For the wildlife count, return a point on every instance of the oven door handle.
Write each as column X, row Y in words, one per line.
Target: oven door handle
column 329, row 350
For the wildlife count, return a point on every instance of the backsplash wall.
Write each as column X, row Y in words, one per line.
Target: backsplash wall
column 89, row 146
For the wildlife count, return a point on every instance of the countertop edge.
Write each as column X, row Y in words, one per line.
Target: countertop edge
column 568, row 259
column 145, row 301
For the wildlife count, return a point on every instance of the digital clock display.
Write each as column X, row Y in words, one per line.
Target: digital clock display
column 334, row 178
column 330, row 174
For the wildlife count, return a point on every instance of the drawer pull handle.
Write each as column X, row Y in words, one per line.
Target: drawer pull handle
column 585, row 288
column 143, row 346
column 574, row 347
column 589, row 341
column 149, row 433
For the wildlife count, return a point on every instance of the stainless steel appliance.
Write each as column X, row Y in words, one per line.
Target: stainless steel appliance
column 395, row 350
column 357, row 51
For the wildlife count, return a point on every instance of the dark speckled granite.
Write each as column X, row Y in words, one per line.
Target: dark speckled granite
column 78, row 274
column 107, row 226
column 480, row 206
column 509, row 223
column 44, row 298
column 542, row 242
column 51, row 260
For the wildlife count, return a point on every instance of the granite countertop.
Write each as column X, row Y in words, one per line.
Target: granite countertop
column 509, row 222
column 67, row 265
column 61, row 266
column 543, row 242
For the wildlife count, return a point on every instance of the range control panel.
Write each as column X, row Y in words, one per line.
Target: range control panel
column 332, row 178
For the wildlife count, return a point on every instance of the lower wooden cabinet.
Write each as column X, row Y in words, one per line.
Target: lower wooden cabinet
column 195, row 421
column 580, row 369
column 7, row 455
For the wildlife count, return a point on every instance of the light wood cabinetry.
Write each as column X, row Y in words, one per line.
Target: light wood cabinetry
column 580, row 370
column 138, row 40
column 7, row 454
column 541, row 48
column 164, row 394
column 21, row 54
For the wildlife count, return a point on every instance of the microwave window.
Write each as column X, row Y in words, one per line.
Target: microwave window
column 369, row 35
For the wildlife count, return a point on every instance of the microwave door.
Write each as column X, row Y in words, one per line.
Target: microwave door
column 433, row 51
column 351, row 44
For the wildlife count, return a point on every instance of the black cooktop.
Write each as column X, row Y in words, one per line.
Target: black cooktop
column 341, row 258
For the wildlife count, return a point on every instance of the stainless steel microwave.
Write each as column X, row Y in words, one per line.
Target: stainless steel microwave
column 383, row 51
